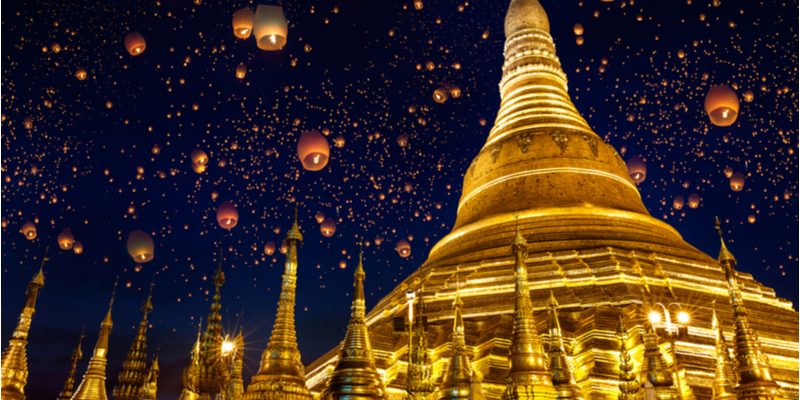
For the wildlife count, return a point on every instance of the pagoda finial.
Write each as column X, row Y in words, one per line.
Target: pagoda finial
column 134, row 374
column 628, row 385
column 66, row 393
column 563, row 379
column 93, row 385
column 724, row 378
column 355, row 376
column 457, row 379
column 724, row 254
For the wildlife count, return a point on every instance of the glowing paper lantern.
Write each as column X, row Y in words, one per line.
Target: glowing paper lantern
column 140, row 246
column 134, row 43
column 737, row 182
column 418, row 4
column 440, row 95
column 678, row 202
column 284, row 248
column 339, row 141
column 243, row 23
column 455, row 91
column 199, row 157
column 722, row 105
column 343, row 264
column 80, row 73
column 199, row 168
column 751, row 219
column 402, row 140
column 269, row 248
column 270, row 28
column 313, row 150
column 694, row 200
column 637, row 169
column 319, row 217
column 579, row 40
column 328, row 227
column 241, row 71
column 77, row 248
column 749, row 96
column 728, row 172
column 578, row 29
column 55, row 47
column 403, row 248
column 227, row 216
column 66, row 240
column 29, row 230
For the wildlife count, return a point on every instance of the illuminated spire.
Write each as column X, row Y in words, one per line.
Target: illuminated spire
column 66, row 393
column 724, row 379
column 654, row 368
column 150, row 387
column 528, row 377
column 281, row 372
column 420, row 382
column 753, row 369
column 355, row 376
column 456, row 382
column 236, row 386
column 188, row 372
column 563, row 379
column 14, row 374
column 93, row 385
column 628, row 385
column 134, row 369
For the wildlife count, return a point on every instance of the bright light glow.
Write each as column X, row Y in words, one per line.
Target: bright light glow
column 227, row 347
column 725, row 114
column 273, row 39
column 655, row 317
column 683, row 317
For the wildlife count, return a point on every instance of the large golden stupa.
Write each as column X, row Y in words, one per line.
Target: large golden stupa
column 591, row 242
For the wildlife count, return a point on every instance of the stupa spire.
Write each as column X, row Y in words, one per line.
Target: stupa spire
column 654, row 368
column 14, row 375
column 150, row 388
column 93, row 385
column 456, row 382
column 281, row 372
column 66, row 393
column 420, row 382
column 528, row 377
column 188, row 372
column 724, row 378
column 134, row 369
column 753, row 370
column 355, row 376
column 628, row 385
column 563, row 378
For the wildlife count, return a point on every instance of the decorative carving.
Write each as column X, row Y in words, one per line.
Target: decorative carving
column 592, row 142
column 495, row 152
column 524, row 141
column 561, row 140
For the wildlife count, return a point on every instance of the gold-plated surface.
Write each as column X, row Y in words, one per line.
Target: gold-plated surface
column 754, row 375
column 149, row 390
column 134, row 369
column 563, row 379
column 14, row 370
column 93, row 385
column 66, row 393
column 281, row 375
column 654, row 368
column 724, row 378
column 628, row 384
column 236, row 386
column 209, row 372
column 420, row 380
column 456, row 384
column 355, row 376
column 528, row 377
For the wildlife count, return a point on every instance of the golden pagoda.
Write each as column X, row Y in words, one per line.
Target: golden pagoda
column 456, row 383
column 654, row 369
column 281, row 374
column 355, row 376
column 134, row 375
column 563, row 379
column 724, row 379
column 755, row 380
column 150, row 388
column 93, row 385
column 628, row 385
column 420, row 379
column 66, row 393
column 14, row 373
column 186, row 393
column 590, row 240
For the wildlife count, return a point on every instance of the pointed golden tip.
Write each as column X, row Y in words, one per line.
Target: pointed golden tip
column 724, row 254
column 552, row 302
column 525, row 14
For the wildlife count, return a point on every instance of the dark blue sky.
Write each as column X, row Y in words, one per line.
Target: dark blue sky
column 357, row 81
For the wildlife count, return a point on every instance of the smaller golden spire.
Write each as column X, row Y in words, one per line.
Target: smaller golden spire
column 654, row 368
column 93, row 385
column 236, row 386
column 563, row 379
column 628, row 385
column 66, row 393
column 134, row 374
column 150, row 388
column 724, row 378
column 457, row 380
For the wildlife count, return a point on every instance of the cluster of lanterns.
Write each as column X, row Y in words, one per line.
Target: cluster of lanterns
column 268, row 25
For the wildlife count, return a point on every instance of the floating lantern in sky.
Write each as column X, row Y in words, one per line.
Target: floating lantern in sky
column 737, row 182
column 29, row 230
column 140, row 246
column 418, row 4
column 579, row 40
column 55, row 47
column 66, row 240
column 77, row 248
column 227, row 216
column 241, row 71
column 722, row 105
column 80, row 73
column 319, row 217
column 343, row 264
column 134, row 43
column 402, row 140
column 637, row 169
column 455, row 91
column 328, row 227
column 269, row 248
column 199, row 157
column 749, row 96
column 678, row 202
column 578, row 29
column 28, row 123
column 284, row 248
column 270, row 28
column 339, row 141
column 751, row 219
column 440, row 95
column 694, row 200
column 156, row 148
column 313, row 150
column 403, row 248
column 728, row 172
column 243, row 23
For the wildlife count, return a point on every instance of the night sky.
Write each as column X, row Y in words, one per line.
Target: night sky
column 351, row 67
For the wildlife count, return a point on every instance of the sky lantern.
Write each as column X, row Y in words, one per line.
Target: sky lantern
column 134, row 43
column 78, row 248
column 269, row 248
column 55, row 47
column 199, row 157
column 270, row 28
column 681, row 53
column 678, row 202
column 455, row 91
column 402, row 140
column 728, row 172
column 284, row 248
column 227, row 216
column 319, row 217
column 28, row 123
column 787, row 195
column 412, row 108
column 737, row 182
column 313, row 150
column 343, row 264
column 403, row 248
column 339, row 141
column 578, row 29
column 29, row 230
column 440, row 95
column 214, row 195
column 722, row 105
column 241, row 71
column 66, row 240
column 482, row 121
column 694, row 200
column 140, row 246
column 429, row 65
column 637, row 169
column 198, row 168
column 80, row 73
column 751, row 218
column 328, row 227
column 418, row 4
column 156, row 148
column 579, row 40
column 243, row 23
